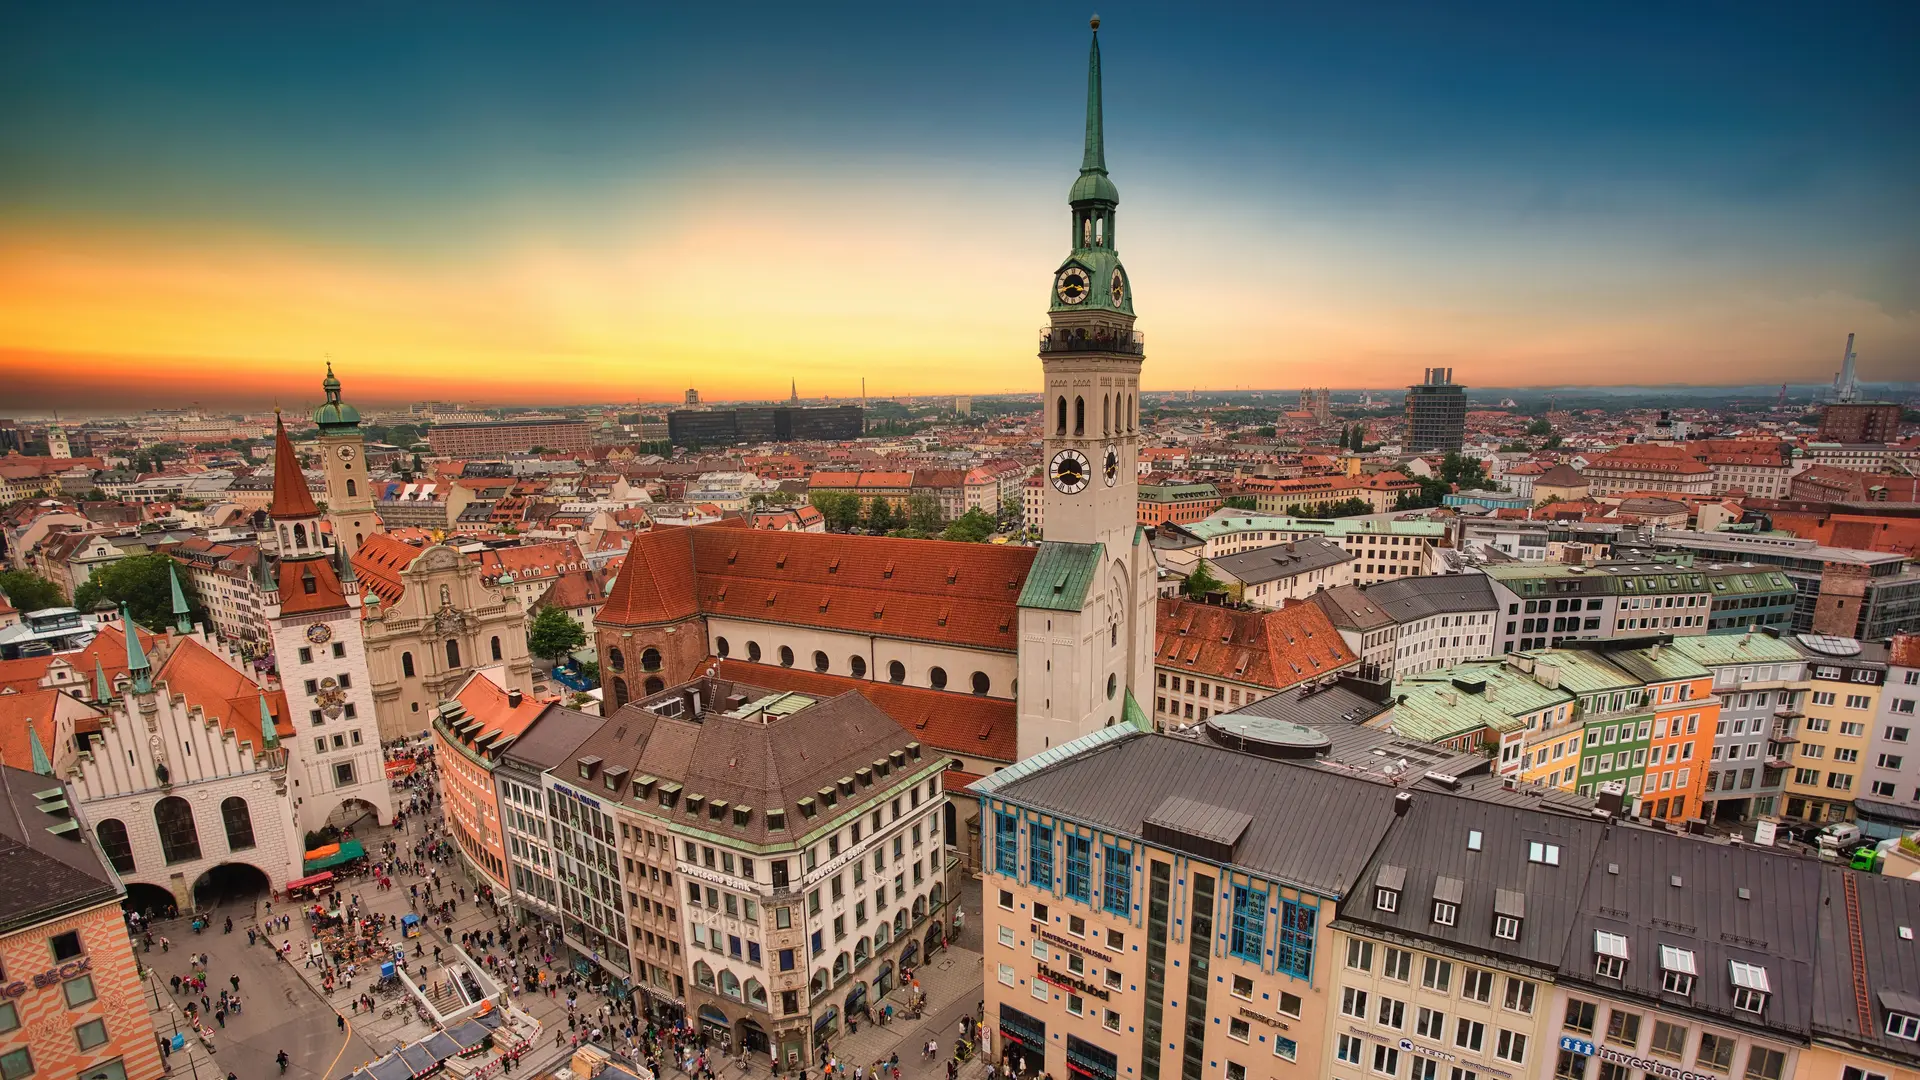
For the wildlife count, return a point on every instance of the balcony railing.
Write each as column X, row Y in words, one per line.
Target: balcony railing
column 1096, row 339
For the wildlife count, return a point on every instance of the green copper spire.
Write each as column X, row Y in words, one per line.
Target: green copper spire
column 102, row 689
column 137, row 665
column 181, row 621
column 1093, row 183
column 269, row 738
column 42, row 764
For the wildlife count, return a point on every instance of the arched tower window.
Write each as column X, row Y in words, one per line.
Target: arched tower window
column 896, row 672
column 114, row 844
column 495, row 645
column 858, row 666
column 1133, row 418
column 351, row 489
column 1099, row 232
column 937, row 678
column 981, row 683
column 654, row 685
column 406, row 664
column 299, row 535
column 453, row 653
column 239, row 822
column 1106, row 415
column 1060, row 428
column 173, row 819
column 617, row 660
column 650, row 659
column 1079, row 416
column 619, row 691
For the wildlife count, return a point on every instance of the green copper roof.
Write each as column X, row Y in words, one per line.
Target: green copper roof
column 1437, row 707
column 42, row 764
column 1133, row 714
column 1061, row 575
column 137, row 665
column 1093, row 183
column 269, row 735
column 1719, row 650
column 180, row 610
column 1223, row 522
column 102, row 689
column 335, row 415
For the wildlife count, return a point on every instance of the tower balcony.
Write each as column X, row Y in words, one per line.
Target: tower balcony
column 1082, row 339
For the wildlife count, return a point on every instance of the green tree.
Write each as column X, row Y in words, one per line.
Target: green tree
column 972, row 527
column 923, row 513
column 141, row 582
column 1240, row 502
column 880, row 516
column 28, row 591
column 1552, row 443
column 1359, row 438
column 554, row 634
column 1201, row 581
column 840, row 508
column 1541, row 427
column 1011, row 510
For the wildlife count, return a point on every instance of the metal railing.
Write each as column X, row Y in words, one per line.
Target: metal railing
column 1096, row 339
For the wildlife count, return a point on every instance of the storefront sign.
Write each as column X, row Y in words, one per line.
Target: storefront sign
column 1256, row 1014
column 54, row 977
column 1650, row 1066
column 1068, row 982
column 1071, row 945
column 1408, row 1046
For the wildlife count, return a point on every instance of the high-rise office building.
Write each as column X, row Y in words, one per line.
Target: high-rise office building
column 1436, row 412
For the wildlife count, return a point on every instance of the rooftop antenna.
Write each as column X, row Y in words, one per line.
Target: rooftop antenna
column 1843, row 386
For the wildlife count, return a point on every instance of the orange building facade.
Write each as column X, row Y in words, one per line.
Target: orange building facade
column 470, row 731
column 70, row 1002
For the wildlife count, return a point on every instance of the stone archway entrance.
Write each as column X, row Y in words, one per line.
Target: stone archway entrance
column 155, row 901
column 935, row 940
column 231, row 885
column 352, row 813
column 751, row 1038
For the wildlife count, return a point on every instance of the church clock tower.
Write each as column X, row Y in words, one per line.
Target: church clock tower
column 343, row 450
column 1086, row 620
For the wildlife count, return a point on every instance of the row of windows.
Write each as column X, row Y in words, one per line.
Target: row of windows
column 980, row 682
column 179, row 838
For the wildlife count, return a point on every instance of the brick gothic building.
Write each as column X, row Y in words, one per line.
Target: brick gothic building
column 1060, row 635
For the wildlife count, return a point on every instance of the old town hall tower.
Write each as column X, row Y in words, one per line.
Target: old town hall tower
column 1085, row 646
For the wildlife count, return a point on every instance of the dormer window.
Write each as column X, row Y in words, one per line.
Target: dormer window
column 1509, row 911
column 1750, row 986
column 1609, row 955
column 1444, row 913
column 1903, row 1026
column 1386, row 887
column 1446, row 899
column 1677, row 970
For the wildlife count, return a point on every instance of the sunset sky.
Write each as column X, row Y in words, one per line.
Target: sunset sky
column 609, row 201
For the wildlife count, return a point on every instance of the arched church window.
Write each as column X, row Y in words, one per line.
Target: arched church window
column 820, row 661
column 1079, row 416
column 286, row 538
column 1133, row 418
column 1113, row 634
column 1086, row 232
column 494, row 647
column 453, row 653
column 179, row 841
column 786, row 656
column 1060, row 428
column 1106, row 415
column 1100, row 232
column 857, row 665
column 620, row 696
column 299, row 535
column 351, row 490
column 937, row 678
column 406, row 664
column 981, row 683
column 239, row 822
column 115, row 845
column 721, row 648
column 650, row 659
column 896, row 672
column 753, row 652
column 654, row 685
column 617, row 660
column 1113, row 686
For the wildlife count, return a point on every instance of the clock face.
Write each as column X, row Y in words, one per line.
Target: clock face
column 1074, row 285
column 1119, row 287
column 1071, row 472
column 1110, row 467
column 346, row 453
column 319, row 633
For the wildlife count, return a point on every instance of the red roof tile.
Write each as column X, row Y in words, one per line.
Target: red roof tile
column 291, row 499
column 310, row 585
column 1274, row 649
column 957, row 723
column 194, row 673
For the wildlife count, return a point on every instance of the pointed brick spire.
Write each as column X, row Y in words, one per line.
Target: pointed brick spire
column 290, row 496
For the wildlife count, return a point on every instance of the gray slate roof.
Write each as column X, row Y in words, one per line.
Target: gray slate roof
column 1411, row 599
column 1282, row 560
column 1428, row 850
column 1631, row 892
column 1122, row 784
column 1893, row 961
column 552, row 737
column 43, row 874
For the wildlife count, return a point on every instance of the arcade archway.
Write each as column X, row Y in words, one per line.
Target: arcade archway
column 353, row 813
column 150, row 900
column 230, row 883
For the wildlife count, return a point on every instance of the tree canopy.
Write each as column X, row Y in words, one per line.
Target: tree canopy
column 554, row 634
column 142, row 583
column 972, row 527
column 1201, row 581
column 28, row 591
column 841, row 509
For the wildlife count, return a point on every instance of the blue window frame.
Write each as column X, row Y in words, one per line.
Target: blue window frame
column 1006, row 845
column 1249, row 934
column 1040, row 856
column 1080, row 869
column 1296, row 938
column 1116, row 893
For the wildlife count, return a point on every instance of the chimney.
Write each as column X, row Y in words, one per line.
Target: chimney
column 1401, row 804
column 513, row 699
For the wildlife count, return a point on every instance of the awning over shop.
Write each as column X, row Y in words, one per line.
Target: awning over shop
column 343, row 853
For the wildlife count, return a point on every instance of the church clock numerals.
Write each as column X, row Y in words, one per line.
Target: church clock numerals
column 1110, row 466
column 1118, row 289
column 1075, row 285
column 1070, row 472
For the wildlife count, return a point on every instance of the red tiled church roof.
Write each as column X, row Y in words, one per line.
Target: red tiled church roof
column 1274, row 649
column 930, row 590
column 291, row 499
column 957, row 723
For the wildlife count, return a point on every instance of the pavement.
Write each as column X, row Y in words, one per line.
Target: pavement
column 284, row 1005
